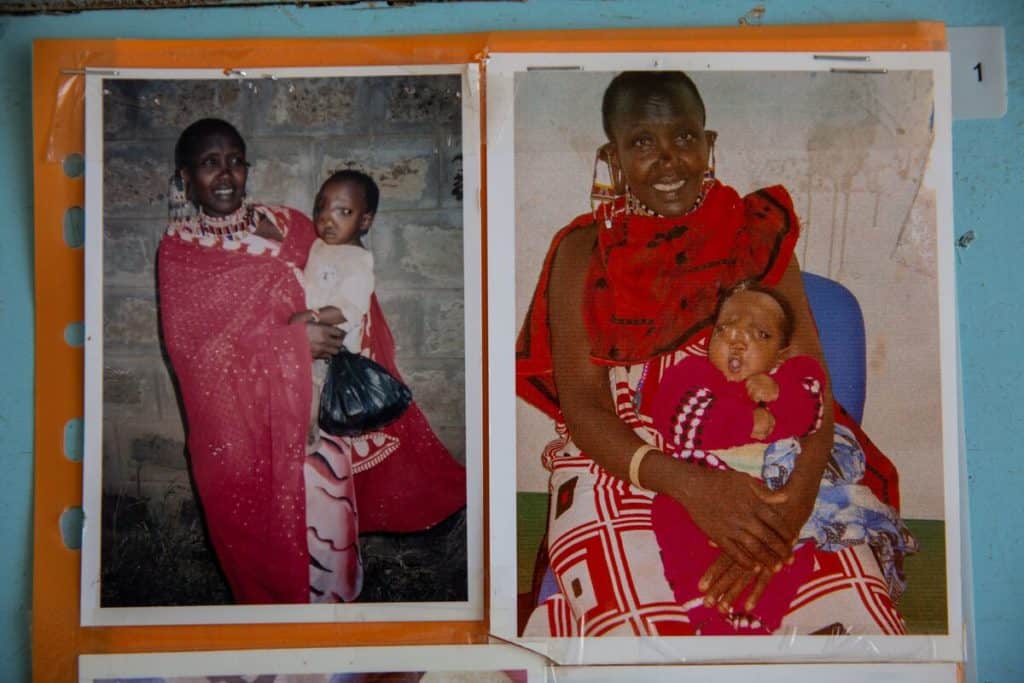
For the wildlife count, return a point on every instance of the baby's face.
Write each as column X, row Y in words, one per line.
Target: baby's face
column 340, row 213
column 747, row 339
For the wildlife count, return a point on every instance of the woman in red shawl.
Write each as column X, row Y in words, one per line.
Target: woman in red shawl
column 625, row 293
column 232, row 315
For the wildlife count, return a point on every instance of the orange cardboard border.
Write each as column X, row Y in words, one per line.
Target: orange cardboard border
column 58, row 130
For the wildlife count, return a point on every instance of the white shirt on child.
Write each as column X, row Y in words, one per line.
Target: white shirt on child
column 341, row 275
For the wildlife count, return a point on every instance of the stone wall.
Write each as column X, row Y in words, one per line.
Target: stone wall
column 405, row 131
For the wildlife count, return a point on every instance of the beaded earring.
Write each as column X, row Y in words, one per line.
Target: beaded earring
column 181, row 212
column 607, row 187
column 712, row 136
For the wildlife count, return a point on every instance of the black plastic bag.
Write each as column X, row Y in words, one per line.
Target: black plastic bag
column 359, row 395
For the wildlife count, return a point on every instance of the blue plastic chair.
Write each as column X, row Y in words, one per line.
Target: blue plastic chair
column 841, row 328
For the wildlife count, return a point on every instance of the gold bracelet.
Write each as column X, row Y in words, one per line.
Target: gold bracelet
column 635, row 462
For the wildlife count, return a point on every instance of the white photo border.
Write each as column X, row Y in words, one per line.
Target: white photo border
column 501, row 271
column 471, row 609
column 465, row 658
column 922, row 672
column 461, row 658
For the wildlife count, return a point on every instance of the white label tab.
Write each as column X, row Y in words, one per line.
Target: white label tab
column 978, row 60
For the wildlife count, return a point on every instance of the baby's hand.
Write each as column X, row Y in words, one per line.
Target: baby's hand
column 762, row 389
column 764, row 423
column 331, row 315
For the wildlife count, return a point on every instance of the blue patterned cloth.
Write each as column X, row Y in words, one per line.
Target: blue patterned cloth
column 846, row 513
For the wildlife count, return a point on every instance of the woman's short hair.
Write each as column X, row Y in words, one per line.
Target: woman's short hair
column 371, row 193
column 191, row 139
column 629, row 84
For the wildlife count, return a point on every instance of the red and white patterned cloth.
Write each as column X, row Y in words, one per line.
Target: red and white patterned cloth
column 651, row 291
column 606, row 560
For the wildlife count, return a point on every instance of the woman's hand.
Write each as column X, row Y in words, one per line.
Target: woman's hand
column 738, row 513
column 324, row 340
column 726, row 579
column 268, row 230
column 331, row 315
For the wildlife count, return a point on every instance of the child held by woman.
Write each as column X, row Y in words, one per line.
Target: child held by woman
column 746, row 390
column 339, row 272
column 388, row 464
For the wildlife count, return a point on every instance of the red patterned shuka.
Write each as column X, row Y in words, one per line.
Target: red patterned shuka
column 244, row 375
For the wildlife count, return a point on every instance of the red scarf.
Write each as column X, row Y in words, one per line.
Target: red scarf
column 654, row 283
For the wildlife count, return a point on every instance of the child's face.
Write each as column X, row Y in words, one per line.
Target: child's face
column 747, row 339
column 340, row 213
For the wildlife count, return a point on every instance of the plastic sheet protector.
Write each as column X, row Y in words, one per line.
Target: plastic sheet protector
column 196, row 201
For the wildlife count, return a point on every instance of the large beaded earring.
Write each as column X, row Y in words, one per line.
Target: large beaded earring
column 607, row 187
column 181, row 212
column 712, row 136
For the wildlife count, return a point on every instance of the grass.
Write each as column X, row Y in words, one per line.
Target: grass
column 156, row 553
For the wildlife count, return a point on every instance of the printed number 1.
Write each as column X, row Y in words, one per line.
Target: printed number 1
column 977, row 67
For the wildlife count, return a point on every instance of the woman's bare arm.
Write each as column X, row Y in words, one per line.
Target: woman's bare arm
column 816, row 448
column 745, row 527
column 584, row 394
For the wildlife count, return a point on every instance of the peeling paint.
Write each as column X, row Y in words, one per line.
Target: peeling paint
column 966, row 239
column 753, row 17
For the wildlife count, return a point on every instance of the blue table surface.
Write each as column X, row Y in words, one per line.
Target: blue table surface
column 988, row 198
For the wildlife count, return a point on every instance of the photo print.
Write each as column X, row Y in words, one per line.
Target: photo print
column 282, row 375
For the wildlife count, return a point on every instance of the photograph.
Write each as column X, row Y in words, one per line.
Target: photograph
column 417, row 664
column 282, row 359
column 764, row 673
column 734, row 385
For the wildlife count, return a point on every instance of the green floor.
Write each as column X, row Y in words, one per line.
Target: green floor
column 923, row 605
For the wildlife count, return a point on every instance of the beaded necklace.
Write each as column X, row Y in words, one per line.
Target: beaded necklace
column 231, row 227
column 640, row 209
column 638, row 395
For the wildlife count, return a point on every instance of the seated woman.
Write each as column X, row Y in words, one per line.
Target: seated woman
column 626, row 293
column 232, row 313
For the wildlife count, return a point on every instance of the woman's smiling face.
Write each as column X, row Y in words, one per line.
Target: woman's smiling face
column 217, row 175
column 662, row 148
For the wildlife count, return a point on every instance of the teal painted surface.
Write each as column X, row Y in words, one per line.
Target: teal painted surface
column 988, row 195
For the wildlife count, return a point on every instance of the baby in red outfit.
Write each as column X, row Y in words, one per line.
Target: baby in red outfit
column 746, row 390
